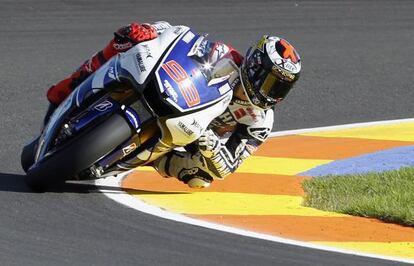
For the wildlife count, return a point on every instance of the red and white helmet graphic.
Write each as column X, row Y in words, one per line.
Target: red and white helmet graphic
column 269, row 70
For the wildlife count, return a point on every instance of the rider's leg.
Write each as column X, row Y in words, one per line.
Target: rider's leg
column 125, row 37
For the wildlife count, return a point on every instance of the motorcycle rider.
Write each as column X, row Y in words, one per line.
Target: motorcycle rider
column 259, row 81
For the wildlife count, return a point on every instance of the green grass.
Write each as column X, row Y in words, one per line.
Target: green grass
column 388, row 196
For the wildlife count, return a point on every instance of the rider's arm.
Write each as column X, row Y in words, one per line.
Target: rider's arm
column 123, row 40
column 224, row 159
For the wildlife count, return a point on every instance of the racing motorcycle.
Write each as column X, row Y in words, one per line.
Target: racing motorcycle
column 138, row 106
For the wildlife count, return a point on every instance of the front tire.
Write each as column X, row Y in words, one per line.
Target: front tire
column 80, row 154
column 28, row 154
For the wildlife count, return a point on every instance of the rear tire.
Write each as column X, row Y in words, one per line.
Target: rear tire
column 78, row 155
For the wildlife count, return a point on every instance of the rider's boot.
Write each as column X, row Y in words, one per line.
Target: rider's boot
column 169, row 166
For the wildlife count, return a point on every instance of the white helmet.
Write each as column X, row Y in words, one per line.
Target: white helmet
column 269, row 70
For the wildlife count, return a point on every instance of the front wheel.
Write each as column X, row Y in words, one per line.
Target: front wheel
column 79, row 154
column 28, row 154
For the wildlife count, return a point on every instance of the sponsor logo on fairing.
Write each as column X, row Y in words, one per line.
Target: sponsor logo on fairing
column 128, row 149
column 103, row 106
column 224, row 89
column 161, row 26
column 188, row 37
column 171, row 92
column 235, row 82
column 183, row 127
column 186, row 85
column 226, row 100
column 147, row 51
column 195, row 124
column 133, row 118
column 199, row 47
column 178, row 30
column 140, row 63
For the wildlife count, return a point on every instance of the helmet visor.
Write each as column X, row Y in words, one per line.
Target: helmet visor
column 263, row 87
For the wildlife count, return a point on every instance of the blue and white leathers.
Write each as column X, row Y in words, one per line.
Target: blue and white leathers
column 241, row 128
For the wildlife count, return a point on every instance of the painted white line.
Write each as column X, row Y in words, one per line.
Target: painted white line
column 138, row 204
column 346, row 126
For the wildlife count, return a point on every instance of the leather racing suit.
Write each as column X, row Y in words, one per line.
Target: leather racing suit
column 234, row 135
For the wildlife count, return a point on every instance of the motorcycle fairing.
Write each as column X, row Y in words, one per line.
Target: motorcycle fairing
column 174, row 47
column 140, row 60
column 55, row 121
column 181, row 79
column 131, row 66
column 92, row 85
column 189, row 127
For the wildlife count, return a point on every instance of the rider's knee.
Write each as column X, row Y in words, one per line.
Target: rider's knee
column 195, row 177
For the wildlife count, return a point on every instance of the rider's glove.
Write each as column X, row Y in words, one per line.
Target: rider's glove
column 134, row 33
column 209, row 144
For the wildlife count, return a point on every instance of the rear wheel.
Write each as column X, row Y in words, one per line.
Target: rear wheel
column 79, row 154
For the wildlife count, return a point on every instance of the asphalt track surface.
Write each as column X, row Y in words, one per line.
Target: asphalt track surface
column 357, row 67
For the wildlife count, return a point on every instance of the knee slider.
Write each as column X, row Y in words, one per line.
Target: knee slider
column 186, row 175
